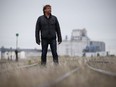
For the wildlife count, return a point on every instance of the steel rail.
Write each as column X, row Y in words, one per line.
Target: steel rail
column 59, row 79
column 101, row 70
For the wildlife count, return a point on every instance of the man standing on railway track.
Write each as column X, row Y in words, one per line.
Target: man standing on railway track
column 48, row 26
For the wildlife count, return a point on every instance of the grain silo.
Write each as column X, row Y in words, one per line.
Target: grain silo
column 80, row 45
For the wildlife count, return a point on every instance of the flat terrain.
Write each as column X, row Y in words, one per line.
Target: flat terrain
column 71, row 72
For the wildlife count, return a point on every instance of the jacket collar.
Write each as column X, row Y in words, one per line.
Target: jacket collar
column 49, row 16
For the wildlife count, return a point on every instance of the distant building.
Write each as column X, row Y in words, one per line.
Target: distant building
column 8, row 53
column 81, row 45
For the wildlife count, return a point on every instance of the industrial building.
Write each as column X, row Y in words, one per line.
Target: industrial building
column 81, row 45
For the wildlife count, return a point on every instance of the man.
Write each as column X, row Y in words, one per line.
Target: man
column 48, row 26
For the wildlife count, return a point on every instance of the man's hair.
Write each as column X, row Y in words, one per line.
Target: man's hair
column 45, row 7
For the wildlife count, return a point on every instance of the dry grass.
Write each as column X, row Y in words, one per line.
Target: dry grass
column 86, row 77
column 37, row 75
column 105, row 63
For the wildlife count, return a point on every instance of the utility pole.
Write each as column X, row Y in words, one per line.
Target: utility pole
column 16, row 51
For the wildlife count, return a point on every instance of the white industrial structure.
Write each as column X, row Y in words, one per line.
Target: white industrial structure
column 81, row 45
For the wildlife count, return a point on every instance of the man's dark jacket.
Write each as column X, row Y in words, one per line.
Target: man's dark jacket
column 49, row 27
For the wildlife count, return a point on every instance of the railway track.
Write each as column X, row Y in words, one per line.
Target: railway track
column 20, row 67
column 102, row 71
column 74, row 72
column 59, row 79
column 70, row 73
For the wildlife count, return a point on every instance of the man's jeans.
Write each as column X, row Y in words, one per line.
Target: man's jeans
column 53, row 46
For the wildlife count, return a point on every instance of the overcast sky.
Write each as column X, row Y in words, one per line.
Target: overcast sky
column 97, row 16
